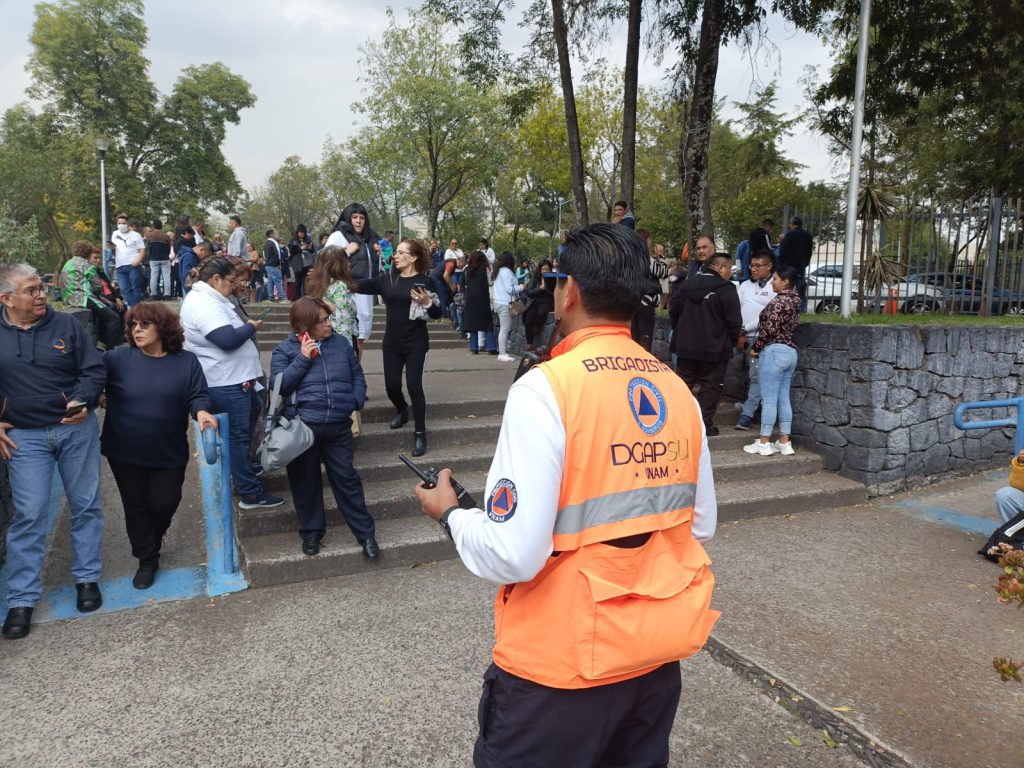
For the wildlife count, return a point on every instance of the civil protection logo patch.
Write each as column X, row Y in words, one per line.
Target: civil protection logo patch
column 502, row 502
column 647, row 404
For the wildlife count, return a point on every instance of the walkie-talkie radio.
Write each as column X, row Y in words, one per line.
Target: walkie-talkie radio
column 429, row 478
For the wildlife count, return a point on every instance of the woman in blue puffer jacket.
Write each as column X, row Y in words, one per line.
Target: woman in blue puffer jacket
column 320, row 367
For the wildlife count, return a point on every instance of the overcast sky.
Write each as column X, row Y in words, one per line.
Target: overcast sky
column 305, row 85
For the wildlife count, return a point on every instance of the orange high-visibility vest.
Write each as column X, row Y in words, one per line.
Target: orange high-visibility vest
column 597, row 614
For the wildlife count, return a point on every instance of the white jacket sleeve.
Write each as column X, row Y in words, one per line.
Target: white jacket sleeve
column 705, row 503
column 509, row 540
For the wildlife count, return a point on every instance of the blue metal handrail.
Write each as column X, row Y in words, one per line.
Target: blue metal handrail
column 1017, row 423
column 222, row 567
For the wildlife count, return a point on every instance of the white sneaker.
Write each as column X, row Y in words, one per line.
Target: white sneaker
column 764, row 449
column 786, row 449
column 506, row 359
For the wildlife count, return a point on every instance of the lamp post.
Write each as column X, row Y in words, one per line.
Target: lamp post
column 101, row 146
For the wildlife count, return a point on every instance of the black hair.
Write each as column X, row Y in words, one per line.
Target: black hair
column 769, row 222
column 157, row 224
column 270, row 232
column 505, row 260
column 215, row 268
column 788, row 273
column 346, row 218
column 796, row 221
column 484, row 241
column 236, row 218
column 302, row 228
column 763, row 253
column 620, row 204
column 610, row 264
column 718, row 258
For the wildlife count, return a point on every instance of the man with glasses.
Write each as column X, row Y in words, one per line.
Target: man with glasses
column 755, row 294
column 52, row 377
column 591, row 525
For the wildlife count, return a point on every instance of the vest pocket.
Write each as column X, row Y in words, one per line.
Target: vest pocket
column 630, row 623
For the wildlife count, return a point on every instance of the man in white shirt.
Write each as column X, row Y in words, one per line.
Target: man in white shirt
column 238, row 240
column 129, row 249
column 755, row 294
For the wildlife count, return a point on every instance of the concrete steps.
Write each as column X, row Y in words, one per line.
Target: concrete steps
column 466, row 397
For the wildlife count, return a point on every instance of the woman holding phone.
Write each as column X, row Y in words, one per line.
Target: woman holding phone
column 410, row 297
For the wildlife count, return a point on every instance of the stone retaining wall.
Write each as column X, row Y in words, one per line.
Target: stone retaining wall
column 878, row 400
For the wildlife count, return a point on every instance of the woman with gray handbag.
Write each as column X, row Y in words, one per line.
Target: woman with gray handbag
column 320, row 368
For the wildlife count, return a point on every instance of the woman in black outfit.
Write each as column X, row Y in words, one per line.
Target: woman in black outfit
column 147, row 446
column 406, row 340
column 476, row 315
column 541, row 294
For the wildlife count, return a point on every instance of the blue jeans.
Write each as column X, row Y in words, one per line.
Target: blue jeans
column 754, row 390
column 776, row 365
column 478, row 340
column 159, row 277
column 75, row 450
column 275, row 284
column 243, row 408
column 130, row 281
column 1009, row 502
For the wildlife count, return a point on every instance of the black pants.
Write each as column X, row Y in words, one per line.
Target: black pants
column 410, row 355
column 536, row 315
column 711, row 378
column 107, row 322
column 642, row 327
column 150, row 498
column 625, row 725
column 332, row 446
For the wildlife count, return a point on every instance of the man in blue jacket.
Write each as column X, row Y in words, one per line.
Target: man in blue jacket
column 52, row 377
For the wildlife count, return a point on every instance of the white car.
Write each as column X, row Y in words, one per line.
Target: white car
column 824, row 288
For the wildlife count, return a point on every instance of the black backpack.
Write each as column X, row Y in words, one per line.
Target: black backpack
column 1011, row 532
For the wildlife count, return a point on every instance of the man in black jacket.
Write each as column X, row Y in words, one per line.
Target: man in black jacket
column 796, row 251
column 761, row 237
column 272, row 262
column 705, row 313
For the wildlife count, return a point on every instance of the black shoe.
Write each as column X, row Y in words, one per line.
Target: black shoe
column 419, row 443
column 18, row 623
column 89, row 597
column 145, row 575
column 492, row 351
column 400, row 420
column 712, row 431
column 310, row 547
column 370, row 549
column 474, row 351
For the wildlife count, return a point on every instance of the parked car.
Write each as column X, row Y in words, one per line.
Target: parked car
column 824, row 288
column 966, row 292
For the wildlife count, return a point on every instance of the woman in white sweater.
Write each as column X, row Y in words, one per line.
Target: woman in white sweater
column 506, row 290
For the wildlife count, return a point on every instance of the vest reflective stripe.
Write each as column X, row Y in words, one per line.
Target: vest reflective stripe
column 598, row 614
column 624, row 505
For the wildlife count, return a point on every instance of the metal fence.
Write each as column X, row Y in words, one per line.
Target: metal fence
column 965, row 258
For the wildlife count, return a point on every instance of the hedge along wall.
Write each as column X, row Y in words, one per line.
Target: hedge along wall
column 877, row 401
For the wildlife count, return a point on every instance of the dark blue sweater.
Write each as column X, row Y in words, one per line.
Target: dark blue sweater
column 149, row 401
column 329, row 387
column 44, row 367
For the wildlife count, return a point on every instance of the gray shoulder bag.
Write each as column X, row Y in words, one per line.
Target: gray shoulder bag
column 285, row 439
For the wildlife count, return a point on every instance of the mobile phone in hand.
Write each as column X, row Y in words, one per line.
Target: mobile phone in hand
column 303, row 337
column 75, row 409
column 263, row 314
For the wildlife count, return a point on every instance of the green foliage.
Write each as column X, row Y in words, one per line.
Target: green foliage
column 22, row 242
column 92, row 77
column 294, row 194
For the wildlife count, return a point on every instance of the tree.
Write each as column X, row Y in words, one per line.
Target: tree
column 294, row 194
column 92, row 77
column 579, row 189
column 440, row 127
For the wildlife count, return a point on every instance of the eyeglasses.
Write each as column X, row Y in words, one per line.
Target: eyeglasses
column 326, row 320
column 143, row 324
column 30, row 292
column 403, row 253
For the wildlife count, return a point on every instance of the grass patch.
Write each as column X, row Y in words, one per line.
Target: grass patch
column 926, row 319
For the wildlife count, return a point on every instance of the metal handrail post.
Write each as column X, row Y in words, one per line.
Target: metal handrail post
column 223, row 574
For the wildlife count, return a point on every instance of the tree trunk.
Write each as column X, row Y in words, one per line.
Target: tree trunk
column 579, row 188
column 696, row 139
column 629, row 98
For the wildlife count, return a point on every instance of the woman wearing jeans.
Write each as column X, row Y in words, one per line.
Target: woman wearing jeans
column 506, row 290
column 775, row 353
column 224, row 344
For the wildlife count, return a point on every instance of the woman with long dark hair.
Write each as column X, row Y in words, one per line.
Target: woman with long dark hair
column 506, row 290
column 320, row 368
column 353, row 234
column 331, row 280
column 410, row 297
column 476, row 314
column 541, row 293
column 775, row 353
column 147, row 446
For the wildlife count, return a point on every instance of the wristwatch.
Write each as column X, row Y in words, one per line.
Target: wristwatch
column 444, row 521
